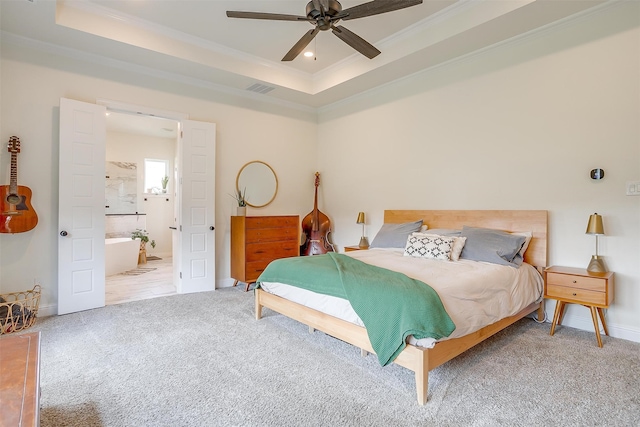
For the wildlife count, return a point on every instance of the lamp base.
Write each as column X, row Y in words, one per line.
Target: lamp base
column 596, row 265
column 364, row 243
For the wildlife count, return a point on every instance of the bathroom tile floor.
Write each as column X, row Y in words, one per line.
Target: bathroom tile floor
column 151, row 284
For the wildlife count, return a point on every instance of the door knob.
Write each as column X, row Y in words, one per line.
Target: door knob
column 212, row 228
column 63, row 233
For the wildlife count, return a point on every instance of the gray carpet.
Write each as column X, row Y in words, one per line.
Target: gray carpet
column 202, row 360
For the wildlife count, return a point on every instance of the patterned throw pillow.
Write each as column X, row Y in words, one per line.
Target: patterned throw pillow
column 429, row 246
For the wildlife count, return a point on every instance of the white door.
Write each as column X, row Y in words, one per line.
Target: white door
column 197, row 207
column 81, row 281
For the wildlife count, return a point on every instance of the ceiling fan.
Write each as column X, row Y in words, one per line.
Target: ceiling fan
column 324, row 14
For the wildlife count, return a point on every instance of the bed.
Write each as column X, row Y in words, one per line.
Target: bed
column 415, row 356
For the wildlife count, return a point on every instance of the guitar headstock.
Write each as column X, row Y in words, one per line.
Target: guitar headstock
column 317, row 179
column 14, row 145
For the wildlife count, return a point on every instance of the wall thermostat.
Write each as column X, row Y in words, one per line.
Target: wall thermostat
column 597, row 174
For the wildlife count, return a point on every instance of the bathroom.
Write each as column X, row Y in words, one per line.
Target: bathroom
column 140, row 151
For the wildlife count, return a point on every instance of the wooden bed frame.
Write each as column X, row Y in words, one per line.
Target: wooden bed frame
column 422, row 360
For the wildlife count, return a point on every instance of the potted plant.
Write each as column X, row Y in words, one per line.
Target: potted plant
column 144, row 239
column 165, row 181
column 242, row 202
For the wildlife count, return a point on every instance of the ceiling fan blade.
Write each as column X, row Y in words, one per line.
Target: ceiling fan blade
column 356, row 42
column 300, row 45
column 375, row 7
column 260, row 15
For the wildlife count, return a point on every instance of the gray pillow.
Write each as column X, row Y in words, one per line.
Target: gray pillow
column 443, row 232
column 498, row 247
column 395, row 235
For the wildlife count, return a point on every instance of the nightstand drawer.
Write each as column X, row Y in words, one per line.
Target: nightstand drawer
column 579, row 282
column 581, row 296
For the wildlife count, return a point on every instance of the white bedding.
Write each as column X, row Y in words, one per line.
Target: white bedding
column 475, row 294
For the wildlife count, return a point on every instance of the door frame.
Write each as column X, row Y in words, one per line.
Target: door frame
column 123, row 107
column 199, row 139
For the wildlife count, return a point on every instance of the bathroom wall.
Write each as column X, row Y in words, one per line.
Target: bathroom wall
column 121, row 188
column 125, row 148
column 120, row 225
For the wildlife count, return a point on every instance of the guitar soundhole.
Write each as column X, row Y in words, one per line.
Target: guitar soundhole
column 14, row 199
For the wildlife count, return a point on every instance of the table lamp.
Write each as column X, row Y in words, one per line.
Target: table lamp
column 595, row 227
column 364, row 243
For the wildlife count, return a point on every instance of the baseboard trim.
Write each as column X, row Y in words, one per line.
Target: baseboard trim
column 47, row 310
column 225, row 283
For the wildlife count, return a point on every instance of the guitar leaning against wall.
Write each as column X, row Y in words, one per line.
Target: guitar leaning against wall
column 16, row 213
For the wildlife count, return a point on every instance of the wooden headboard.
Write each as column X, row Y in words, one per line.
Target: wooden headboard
column 534, row 221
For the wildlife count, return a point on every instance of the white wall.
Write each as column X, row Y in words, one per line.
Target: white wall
column 33, row 81
column 159, row 209
column 517, row 127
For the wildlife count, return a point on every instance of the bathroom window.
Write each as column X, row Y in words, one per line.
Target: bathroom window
column 155, row 172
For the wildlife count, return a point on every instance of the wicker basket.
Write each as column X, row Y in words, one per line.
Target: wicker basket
column 18, row 310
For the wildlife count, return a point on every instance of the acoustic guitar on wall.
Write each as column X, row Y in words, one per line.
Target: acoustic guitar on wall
column 16, row 213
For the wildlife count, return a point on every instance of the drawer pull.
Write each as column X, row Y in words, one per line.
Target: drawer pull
column 575, row 281
column 574, row 294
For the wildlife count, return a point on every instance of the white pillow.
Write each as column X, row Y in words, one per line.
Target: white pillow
column 527, row 239
column 458, row 244
column 429, row 246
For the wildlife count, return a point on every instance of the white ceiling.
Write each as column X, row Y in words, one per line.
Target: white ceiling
column 194, row 40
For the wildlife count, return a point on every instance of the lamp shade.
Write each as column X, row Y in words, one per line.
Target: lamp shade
column 360, row 218
column 595, row 224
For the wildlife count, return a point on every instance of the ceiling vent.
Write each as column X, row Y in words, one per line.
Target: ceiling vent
column 260, row 88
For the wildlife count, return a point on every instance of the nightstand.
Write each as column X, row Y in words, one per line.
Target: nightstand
column 578, row 286
column 354, row 248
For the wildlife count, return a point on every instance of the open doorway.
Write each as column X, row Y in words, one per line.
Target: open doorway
column 81, row 201
column 140, row 201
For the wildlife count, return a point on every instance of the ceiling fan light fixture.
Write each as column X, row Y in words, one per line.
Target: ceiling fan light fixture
column 308, row 54
column 324, row 15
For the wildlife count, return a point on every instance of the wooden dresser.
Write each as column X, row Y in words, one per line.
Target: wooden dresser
column 20, row 380
column 258, row 240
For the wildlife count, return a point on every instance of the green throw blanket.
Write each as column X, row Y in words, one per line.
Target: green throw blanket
column 391, row 305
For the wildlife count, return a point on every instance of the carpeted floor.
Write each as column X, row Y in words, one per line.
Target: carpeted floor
column 202, row 360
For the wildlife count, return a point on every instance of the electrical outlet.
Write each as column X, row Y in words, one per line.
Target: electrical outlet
column 633, row 188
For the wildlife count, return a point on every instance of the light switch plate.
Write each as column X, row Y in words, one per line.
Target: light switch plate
column 633, row 188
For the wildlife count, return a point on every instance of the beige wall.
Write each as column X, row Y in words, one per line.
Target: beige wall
column 517, row 127
column 33, row 83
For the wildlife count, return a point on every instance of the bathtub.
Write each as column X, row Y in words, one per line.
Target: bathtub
column 120, row 255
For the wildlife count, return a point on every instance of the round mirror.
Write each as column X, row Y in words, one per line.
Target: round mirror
column 259, row 183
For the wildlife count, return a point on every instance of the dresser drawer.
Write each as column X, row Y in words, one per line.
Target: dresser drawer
column 271, row 251
column 581, row 296
column 257, row 235
column 271, row 221
column 255, row 269
column 579, row 282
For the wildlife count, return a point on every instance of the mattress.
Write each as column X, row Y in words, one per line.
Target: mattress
column 475, row 294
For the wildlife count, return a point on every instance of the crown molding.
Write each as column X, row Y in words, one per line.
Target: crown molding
column 74, row 54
